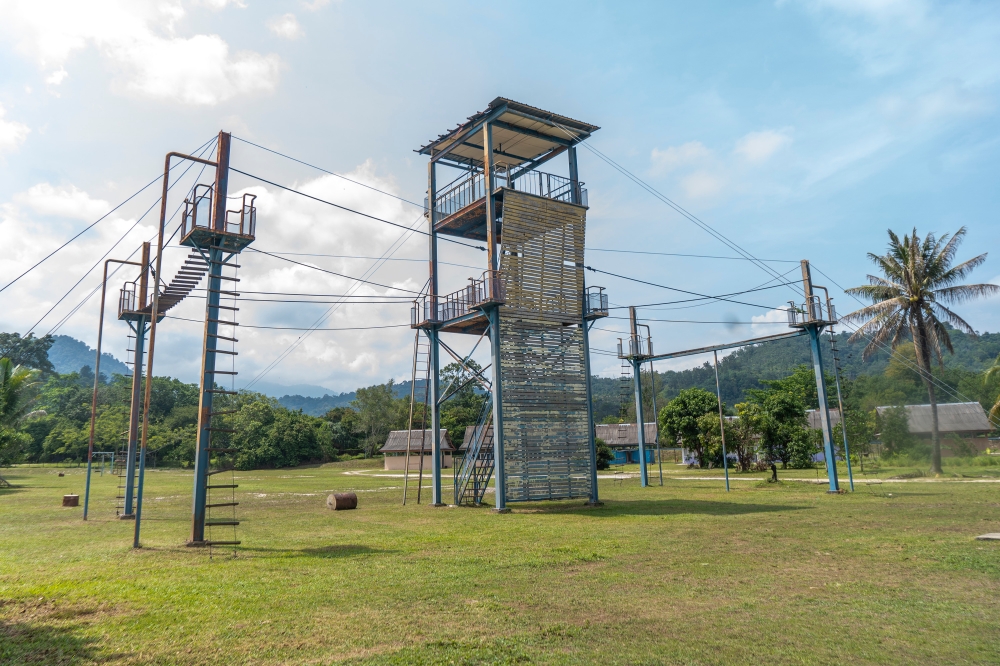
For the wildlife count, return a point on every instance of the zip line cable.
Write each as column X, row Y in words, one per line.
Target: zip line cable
column 351, row 210
column 134, row 225
column 323, row 270
column 91, row 226
column 696, row 256
column 332, row 173
column 674, row 205
column 354, row 256
column 300, row 328
column 683, row 291
column 392, row 249
column 115, row 271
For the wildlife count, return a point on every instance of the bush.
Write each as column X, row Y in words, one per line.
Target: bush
column 604, row 454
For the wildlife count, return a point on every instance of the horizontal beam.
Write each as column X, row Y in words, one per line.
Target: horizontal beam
column 537, row 162
column 460, row 139
column 728, row 345
column 533, row 133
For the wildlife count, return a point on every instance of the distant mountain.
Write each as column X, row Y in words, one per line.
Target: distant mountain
column 69, row 355
column 320, row 406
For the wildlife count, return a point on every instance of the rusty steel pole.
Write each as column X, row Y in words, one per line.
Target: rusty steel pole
column 97, row 379
column 152, row 331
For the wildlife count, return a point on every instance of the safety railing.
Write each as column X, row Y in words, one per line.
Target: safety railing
column 595, row 303
column 128, row 300
column 477, row 462
column 487, row 289
column 812, row 311
column 637, row 346
column 198, row 213
column 462, row 193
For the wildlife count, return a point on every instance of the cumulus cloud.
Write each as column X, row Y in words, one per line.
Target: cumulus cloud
column 12, row 133
column 760, row 146
column 767, row 323
column 67, row 201
column 138, row 38
column 702, row 184
column 673, row 157
column 285, row 26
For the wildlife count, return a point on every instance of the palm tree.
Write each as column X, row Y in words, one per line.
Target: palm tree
column 911, row 299
column 994, row 370
column 18, row 392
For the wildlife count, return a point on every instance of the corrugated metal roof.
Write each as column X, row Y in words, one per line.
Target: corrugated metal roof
column 813, row 416
column 624, row 434
column 469, row 430
column 513, row 147
column 953, row 417
column 397, row 441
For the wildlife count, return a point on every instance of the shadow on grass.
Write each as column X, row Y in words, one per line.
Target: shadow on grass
column 671, row 507
column 323, row 552
column 31, row 643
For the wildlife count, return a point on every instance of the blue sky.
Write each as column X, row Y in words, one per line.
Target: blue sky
column 796, row 129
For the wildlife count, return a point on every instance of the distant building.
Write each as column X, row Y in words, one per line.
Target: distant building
column 395, row 449
column 813, row 416
column 623, row 439
column 965, row 420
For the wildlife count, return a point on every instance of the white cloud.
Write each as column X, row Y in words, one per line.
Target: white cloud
column 315, row 5
column 702, row 184
column 67, row 201
column 138, row 38
column 286, row 26
column 759, row 146
column 56, row 77
column 767, row 323
column 12, row 133
column 673, row 157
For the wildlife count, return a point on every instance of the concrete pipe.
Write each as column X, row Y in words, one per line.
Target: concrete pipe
column 342, row 501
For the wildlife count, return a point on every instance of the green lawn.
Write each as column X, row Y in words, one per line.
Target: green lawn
column 683, row 573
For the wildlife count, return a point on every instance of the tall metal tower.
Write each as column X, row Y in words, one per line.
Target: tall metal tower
column 638, row 351
column 529, row 301
column 217, row 236
column 814, row 316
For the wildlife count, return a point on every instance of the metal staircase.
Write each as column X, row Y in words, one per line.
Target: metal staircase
column 419, row 395
column 478, row 462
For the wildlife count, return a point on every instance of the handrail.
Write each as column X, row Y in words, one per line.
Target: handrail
column 470, row 461
column 461, row 193
column 198, row 213
column 487, row 289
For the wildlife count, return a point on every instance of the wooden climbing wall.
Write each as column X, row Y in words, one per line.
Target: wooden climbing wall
column 543, row 377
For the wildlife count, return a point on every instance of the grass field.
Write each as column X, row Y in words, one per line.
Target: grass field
column 683, row 573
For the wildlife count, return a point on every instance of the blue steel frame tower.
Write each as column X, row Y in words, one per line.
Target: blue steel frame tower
column 814, row 316
column 530, row 302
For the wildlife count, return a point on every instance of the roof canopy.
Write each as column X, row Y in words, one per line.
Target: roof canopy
column 522, row 135
column 397, row 439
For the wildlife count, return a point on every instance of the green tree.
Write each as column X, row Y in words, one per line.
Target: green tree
column 679, row 419
column 463, row 407
column 911, row 299
column 744, row 435
column 604, row 454
column 18, row 393
column 895, row 430
column 29, row 351
column 992, row 374
column 378, row 411
column 781, row 423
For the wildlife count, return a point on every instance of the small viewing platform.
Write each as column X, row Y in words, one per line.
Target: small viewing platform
column 463, row 311
column 235, row 232
column 812, row 313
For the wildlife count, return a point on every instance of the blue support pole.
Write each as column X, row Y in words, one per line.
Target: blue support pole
column 824, row 412
column 498, row 459
column 202, row 457
column 594, row 498
column 435, row 389
column 138, row 505
column 640, row 420
column 722, row 419
column 133, row 421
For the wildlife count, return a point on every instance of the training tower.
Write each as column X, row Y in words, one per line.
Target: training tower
column 531, row 302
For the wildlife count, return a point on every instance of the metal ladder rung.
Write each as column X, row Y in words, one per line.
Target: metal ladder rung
column 223, row 321
column 222, row 486
column 222, row 391
column 226, row 277
column 222, row 543
column 218, row 504
column 216, row 471
column 216, row 523
column 222, row 372
column 223, row 351
column 222, row 337
column 222, row 291
column 227, row 307
column 221, row 450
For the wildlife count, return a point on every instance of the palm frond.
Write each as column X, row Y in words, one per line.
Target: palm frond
column 966, row 292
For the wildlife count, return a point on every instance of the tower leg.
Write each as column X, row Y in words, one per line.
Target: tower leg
column 202, row 453
column 434, row 388
column 640, row 420
column 594, row 498
column 133, row 420
column 498, row 459
column 824, row 410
